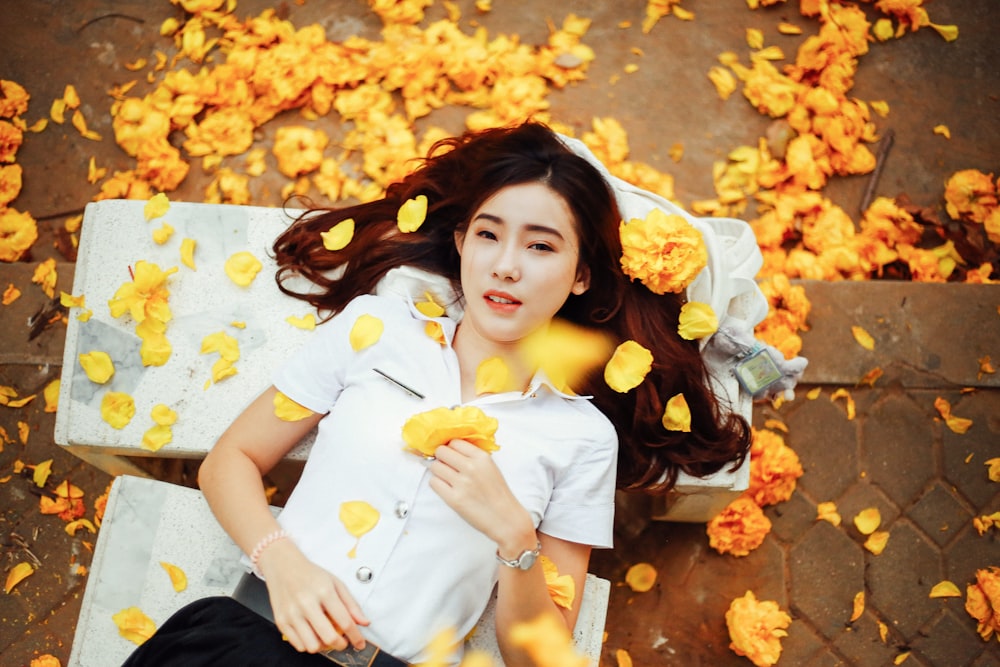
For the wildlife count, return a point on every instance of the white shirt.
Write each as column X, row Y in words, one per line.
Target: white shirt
column 426, row 568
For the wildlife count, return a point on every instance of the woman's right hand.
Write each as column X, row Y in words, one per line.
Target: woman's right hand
column 312, row 608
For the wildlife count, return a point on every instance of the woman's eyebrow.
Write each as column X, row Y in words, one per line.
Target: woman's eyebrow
column 531, row 227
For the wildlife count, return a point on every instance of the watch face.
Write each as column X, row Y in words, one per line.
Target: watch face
column 527, row 559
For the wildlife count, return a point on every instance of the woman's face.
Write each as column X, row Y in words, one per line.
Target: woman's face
column 520, row 262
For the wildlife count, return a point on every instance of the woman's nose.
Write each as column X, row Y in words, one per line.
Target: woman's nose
column 506, row 266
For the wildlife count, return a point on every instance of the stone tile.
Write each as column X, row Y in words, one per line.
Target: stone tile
column 827, row 570
column 978, row 445
column 791, row 518
column 826, row 658
column 990, row 657
column 900, row 578
column 939, row 514
column 861, row 644
column 827, row 445
column 913, row 325
column 950, row 639
column 970, row 552
column 863, row 496
column 897, row 449
column 801, row 643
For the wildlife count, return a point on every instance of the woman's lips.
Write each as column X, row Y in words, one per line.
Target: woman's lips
column 501, row 302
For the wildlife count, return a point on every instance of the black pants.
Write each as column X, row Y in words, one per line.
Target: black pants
column 218, row 632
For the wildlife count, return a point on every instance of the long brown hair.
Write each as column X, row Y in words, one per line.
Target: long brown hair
column 460, row 174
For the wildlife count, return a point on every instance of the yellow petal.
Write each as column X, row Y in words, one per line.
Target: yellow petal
column 338, row 236
column 949, row 32
column 641, row 577
column 412, row 214
column 883, row 631
column 156, row 437
column 859, row 606
column 424, row 432
column 157, row 206
column 134, row 625
column 51, row 395
column 876, row 541
column 697, row 320
column 117, row 409
column 430, row 307
column 623, row 658
column 945, row 589
column 162, row 234
column 288, row 410
column 74, row 526
column 562, row 588
column 358, row 518
column 828, row 512
column 943, row 131
column 17, row 574
column 177, row 577
column 901, row 658
column 677, row 415
column 994, row 469
column 163, row 415
column 628, row 366
column 848, row 400
column 242, row 268
column 435, row 332
column 22, row 432
column 864, row 338
column 187, row 253
column 492, row 376
column 883, row 30
column 868, row 520
column 221, row 342
column 98, row 366
column 307, row 321
column 41, row 473
column 366, row 331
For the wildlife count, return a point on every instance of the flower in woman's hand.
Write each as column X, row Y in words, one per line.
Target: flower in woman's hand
column 426, row 431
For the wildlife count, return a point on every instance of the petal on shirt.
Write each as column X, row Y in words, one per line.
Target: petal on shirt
column 288, row 410
column 358, row 518
column 628, row 366
column 366, row 331
column 429, row 306
column 435, row 332
column 492, row 376
column 412, row 214
column 677, row 415
column 424, row 432
column 338, row 236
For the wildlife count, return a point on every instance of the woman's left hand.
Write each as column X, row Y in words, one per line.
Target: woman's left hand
column 467, row 478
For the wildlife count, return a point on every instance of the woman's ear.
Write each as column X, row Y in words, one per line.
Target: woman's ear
column 582, row 283
column 459, row 240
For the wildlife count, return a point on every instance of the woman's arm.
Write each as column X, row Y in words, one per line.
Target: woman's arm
column 307, row 601
column 469, row 481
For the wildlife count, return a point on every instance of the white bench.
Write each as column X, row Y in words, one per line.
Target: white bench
column 148, row 521
column 115, row 235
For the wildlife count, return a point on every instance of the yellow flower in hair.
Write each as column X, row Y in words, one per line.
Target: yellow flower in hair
column 628, row 366
column 697, row 320
column 663, row 251
column 677, row 415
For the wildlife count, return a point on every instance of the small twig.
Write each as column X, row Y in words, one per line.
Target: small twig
column 880, row 157
column 110, row 16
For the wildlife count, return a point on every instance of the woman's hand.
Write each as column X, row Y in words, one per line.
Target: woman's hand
column 312, row 608
column 470, row 482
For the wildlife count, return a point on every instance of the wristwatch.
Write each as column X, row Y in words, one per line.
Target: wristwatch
column 525, row 560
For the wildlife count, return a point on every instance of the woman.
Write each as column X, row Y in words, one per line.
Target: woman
column 523, row 231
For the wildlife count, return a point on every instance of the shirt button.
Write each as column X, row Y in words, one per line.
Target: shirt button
column 364, row 574
column 402, row 509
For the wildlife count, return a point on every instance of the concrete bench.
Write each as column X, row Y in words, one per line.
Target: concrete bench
column 115, row 235
column 148, row 521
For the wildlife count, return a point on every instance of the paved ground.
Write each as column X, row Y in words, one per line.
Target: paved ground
column 896, row 454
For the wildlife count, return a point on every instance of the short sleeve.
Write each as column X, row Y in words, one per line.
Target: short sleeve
column 582, row 506
column 315, row 374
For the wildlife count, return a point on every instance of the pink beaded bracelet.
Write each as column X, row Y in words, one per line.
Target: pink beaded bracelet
column 265, row 542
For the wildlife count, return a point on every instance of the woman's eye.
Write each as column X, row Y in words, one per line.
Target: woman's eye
column 486, row 234
column 545, row 247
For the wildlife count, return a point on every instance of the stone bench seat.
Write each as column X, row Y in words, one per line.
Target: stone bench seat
column 115, row 236
column 147, row 522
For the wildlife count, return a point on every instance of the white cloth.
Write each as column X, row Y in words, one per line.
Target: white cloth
column 430, row 569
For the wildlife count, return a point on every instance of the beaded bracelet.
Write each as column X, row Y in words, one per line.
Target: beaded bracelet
column 264, row 543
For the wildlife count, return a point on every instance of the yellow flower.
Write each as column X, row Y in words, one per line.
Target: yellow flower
column 663, row 251
column 358, row 518
column 242, row 268
column 424, row 432
column 13, row 99
column 982, row 601
column 738, row 529
column 696, row 321
column 492, row 376
column 412, row 214
column 299, row 150
column 641, row 577
column 756, row 628
column 366, row 331
column 677, row 414
column 97, row 365
column 628, row 366
column 338, row 236
column 10, row 183
column 177, row 577
column 134, row 625
column 117, row 409
column 288, row 410
column 774, row 467
column 157, row 206
column 145, row 296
